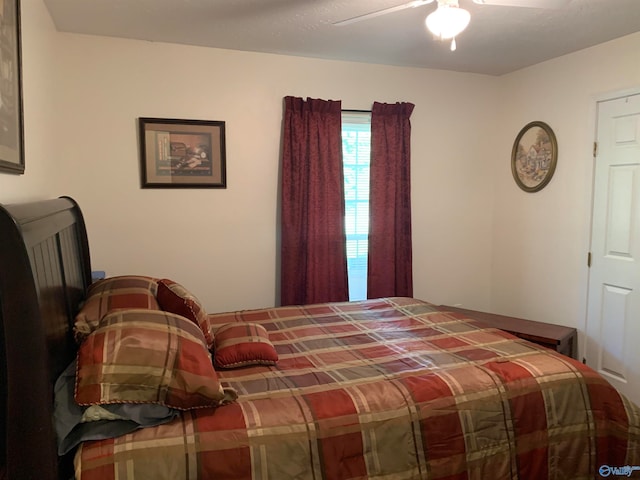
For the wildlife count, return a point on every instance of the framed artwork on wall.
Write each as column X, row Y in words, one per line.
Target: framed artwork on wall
column 534, row 156
column 182, row 153
column 11, row 121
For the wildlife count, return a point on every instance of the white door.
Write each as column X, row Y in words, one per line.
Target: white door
column 613, row 314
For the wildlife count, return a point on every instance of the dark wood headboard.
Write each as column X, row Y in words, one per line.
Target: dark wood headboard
column 44, row 274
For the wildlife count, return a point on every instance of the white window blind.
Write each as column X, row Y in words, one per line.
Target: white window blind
column 356, row 155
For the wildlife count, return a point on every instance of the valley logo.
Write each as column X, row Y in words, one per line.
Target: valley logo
column 626, row 471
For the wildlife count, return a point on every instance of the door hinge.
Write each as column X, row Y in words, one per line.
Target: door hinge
column 589, row 259
column 595, row 149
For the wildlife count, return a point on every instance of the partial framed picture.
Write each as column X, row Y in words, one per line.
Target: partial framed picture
column 11, row 121
column 534, row 156
column 182, row 153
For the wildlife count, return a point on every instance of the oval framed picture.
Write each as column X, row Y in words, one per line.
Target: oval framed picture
column 534, row 156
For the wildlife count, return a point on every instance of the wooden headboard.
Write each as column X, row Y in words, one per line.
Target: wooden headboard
column 44, row 274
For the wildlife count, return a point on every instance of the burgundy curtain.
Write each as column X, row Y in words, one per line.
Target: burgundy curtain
column 313, row 250
column 390, row 255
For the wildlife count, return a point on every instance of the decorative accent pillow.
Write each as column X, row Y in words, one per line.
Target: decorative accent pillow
column 147, row 356
column 173, row 297
column 124, row 281
column 110, row 294
column 241, row 344
column 75, row 424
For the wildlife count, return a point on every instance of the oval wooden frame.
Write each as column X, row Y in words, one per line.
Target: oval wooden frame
column 552, row 160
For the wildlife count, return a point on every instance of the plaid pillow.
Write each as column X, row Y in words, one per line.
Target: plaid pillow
column 112, row 293
column 241, row 344
column 173, row 297
column 124, row 281
column 147, row 356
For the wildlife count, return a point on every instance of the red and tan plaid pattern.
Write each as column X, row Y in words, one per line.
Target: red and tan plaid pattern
column 110, row 294
column 174, row 298
column 241, row 344
column 387, row 389
column 146, row 356
column 124, row 281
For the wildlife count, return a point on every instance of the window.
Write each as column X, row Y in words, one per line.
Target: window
column 356, row 153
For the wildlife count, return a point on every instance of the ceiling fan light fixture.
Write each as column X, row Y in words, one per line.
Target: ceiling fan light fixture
column 448, row 20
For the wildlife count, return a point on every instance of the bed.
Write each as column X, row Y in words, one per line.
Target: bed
column 389, row 388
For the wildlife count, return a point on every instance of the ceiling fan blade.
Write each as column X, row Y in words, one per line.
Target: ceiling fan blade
column 384, row 11
column 552, row 4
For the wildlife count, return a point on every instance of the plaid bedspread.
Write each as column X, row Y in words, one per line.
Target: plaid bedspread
column 387, row 389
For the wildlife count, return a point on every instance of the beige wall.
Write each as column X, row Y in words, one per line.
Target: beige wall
column 541, row 240
column 222, row 244
column 38, row 68
column 478, row 240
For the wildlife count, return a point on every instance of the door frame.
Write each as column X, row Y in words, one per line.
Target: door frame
column 596, row 99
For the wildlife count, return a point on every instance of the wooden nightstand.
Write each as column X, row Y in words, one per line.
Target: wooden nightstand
column 559, row 338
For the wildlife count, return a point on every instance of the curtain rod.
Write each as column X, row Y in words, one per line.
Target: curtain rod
column 356, row 111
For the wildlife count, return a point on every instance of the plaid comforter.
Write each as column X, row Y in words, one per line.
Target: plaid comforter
column 387, row 389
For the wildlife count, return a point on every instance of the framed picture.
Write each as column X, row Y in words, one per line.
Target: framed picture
column 182, row 153
column 534, row 156
column 11, row 122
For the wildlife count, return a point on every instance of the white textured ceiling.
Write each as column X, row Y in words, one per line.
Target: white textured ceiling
column 498, row 40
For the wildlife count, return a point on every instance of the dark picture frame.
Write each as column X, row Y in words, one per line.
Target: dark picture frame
column 534, row 156
column 182, row 153
column 11, row 113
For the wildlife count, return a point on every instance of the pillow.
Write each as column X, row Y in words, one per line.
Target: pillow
column 173, row 297
column 75, row 424
column 124, row 281
column 103, row 299
column 100, row 304
column 147, row 356
column 241, row 344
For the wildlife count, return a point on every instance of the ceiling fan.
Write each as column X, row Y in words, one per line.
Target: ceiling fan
column 448, row 20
